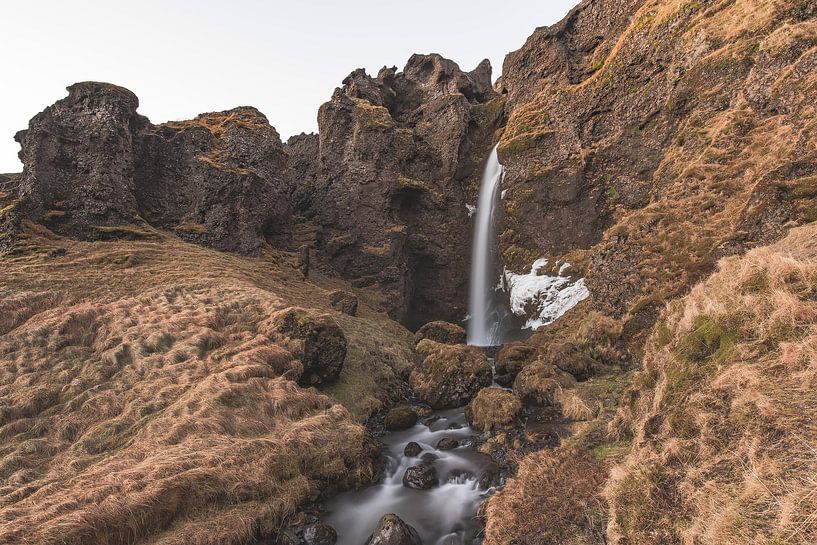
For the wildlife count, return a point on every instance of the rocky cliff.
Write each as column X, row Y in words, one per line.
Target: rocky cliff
column 94, row 168
column 399, row 157
column 647, row 139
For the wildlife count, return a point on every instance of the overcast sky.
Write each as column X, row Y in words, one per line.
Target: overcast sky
column 285, row 58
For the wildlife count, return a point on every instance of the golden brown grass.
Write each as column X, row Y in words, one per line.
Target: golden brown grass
column 553, row 500
column 146, row 397
column 722, row 415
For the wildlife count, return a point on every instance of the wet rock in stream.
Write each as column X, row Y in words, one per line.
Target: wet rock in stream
column 447, row 443
column 392, row 530
column 421, row 477
column 412, row 450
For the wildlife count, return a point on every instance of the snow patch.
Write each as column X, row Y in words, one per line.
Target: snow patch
column 543, row 298
column 471, row 209
column 504, row 192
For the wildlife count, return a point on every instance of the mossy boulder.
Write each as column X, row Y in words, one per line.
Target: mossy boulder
column 512, row 357
column 321, row 347
column 492, row 408
column 441, row 332
column 538, row 383
column 450, row 375
column 400, row 418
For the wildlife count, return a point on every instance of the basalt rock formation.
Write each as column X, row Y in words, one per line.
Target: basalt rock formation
column 398, row 159
column 94, row 168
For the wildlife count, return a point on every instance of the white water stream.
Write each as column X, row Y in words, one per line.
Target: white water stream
column 443, row 515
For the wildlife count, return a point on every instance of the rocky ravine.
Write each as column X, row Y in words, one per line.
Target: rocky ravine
column 644, row 140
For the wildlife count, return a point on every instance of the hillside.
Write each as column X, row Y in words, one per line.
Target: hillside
column 151, row 388
column 208, row 335
column 713, row 441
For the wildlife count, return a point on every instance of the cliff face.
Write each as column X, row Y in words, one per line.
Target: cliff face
column 93, row 167
column 399, row 157
column 646, row 139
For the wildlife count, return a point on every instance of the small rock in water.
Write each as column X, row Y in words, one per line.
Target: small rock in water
column 429, row 457
column 320, row 534
column 400, row 418
column 421, row 477
column 447, row 443
column 393, row 531
column 412, row 449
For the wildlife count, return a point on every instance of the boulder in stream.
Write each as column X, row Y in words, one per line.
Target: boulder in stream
column 421, row 477
column 492, row 408
column 392, row 530
column 412, row 450
column 447, row 443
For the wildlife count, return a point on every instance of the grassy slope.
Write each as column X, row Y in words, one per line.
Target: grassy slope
column 722, row 415
column 143, row 393
column 714, row 440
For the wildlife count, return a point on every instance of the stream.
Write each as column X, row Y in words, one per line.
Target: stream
column 442, row 515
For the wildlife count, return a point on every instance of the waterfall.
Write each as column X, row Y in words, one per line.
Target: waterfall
column 483, row 324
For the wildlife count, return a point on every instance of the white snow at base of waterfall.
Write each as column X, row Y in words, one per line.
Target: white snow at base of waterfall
column 543, row 298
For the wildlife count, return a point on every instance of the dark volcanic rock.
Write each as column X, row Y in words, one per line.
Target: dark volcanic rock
column 218, row 179
column 399, row 157
column 93, row 166
column 604, row 148
column 447, row 443
column 320, row 534
column 391, row 530
column 420, row 477
column 412, row 449
column 322, row 348
column 79, row 156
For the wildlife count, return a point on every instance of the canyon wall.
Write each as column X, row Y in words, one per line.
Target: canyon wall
column 647, row 139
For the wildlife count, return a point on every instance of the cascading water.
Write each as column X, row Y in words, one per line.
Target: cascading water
column 485, row 314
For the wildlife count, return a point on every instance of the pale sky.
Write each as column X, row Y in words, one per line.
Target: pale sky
column 285, row 58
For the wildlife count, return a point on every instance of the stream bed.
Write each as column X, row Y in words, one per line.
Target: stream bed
column 443, row 514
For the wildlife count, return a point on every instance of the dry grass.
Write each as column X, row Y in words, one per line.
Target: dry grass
column 722, row 415
column 553, row 500
column 146, row 397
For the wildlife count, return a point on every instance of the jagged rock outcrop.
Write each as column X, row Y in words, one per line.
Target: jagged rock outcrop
column 79, row 156
column 646, row 139
column 398, row 159
column 94, row 166
column 218, row 179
